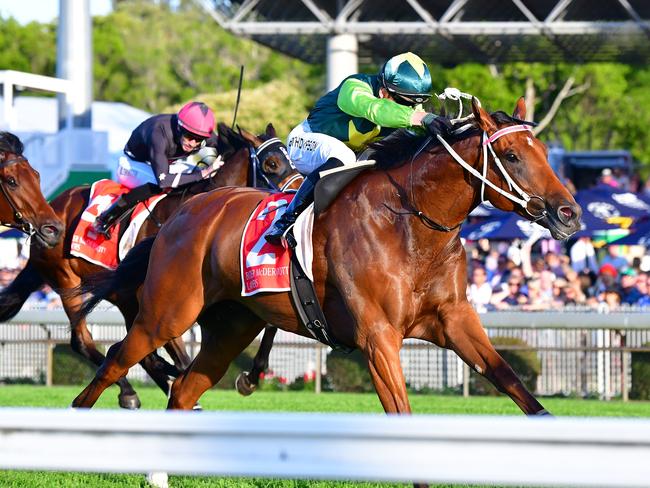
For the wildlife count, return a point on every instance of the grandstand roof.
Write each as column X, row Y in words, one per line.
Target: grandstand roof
column 448, row 31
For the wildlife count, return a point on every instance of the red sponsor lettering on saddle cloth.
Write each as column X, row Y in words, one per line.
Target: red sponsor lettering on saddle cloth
column 264, row 267
column 96, row 248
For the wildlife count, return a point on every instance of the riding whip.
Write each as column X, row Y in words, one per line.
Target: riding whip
column 241, row 79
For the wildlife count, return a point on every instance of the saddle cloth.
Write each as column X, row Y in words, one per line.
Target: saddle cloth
column 265, row 267
column 96, row 248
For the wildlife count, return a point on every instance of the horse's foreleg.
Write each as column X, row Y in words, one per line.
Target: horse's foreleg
column 463, row 332
column 382, row 352
column 247, row 383
column 81, row 342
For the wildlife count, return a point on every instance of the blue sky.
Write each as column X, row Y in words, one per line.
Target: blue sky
column 25, row 11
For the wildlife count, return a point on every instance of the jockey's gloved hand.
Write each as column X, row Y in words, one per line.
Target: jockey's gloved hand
column 216, row 164
column 437, row 125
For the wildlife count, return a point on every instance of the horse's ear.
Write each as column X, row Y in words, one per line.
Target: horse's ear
column 249, row 137
column 520, row 109
column 270, row 130
column 483, row 119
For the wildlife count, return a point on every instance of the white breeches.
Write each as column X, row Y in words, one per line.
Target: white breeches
column 308, row 150
column 132, row 173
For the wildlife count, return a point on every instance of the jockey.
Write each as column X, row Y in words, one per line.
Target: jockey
column 148, row 168
column 360, row 110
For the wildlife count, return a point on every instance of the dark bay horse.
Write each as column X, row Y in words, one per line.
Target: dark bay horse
column 22, row 205
column 64, row 272
column 388, row 263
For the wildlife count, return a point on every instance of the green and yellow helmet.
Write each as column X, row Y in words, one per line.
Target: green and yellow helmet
column 407, row 78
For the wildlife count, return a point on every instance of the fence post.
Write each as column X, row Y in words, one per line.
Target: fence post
column 319, row 367
column 50, row 360
column 624, row 393
column 465, row 380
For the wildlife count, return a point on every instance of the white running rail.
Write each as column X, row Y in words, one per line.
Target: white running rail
column 451, row 449
column 496, row 320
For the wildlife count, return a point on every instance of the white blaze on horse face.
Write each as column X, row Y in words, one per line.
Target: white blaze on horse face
column 530, row 141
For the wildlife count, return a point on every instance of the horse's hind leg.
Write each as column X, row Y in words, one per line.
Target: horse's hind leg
column 81, row 341
column 224, row 336
column 246, row 383
column 156, row 324
column 155, row 366
column 462, row 332
column 178, row 352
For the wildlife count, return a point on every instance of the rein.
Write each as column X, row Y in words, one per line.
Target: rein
column 19, row 223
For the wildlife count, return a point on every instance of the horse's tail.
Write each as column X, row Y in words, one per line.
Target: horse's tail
column 15, row 295
column 123, row 281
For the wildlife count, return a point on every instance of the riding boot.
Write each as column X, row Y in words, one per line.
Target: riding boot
column 303, row 198
column 112, row 214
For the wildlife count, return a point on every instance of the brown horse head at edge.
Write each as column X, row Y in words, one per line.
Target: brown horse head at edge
column 22, row 204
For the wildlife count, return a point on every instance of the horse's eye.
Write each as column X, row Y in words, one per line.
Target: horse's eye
column 11, row 181
column 511, row 157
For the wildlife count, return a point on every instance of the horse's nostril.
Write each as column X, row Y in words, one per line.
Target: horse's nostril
column 50, row 230
column 565, row 213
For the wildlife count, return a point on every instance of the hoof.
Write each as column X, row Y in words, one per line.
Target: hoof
column 130, row 402
column 197, row 407
column 244, row 385
column 544, row 413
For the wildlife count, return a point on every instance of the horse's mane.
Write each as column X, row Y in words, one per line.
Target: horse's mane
column 9, row 143
column 401, row 145
column 229, row 141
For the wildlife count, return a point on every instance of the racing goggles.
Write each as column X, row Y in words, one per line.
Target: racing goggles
column 409, row 100
column 191, row 136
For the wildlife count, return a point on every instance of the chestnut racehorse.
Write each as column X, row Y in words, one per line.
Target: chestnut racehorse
column 64, row 272
column 388, row 263
column 22, row 205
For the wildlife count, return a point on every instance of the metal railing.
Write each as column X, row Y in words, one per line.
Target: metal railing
column 580, row 353
column 419, row 448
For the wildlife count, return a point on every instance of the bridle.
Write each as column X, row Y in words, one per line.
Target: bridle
column 486, row 142
column 523, row 199
column 19, row 220
column 261, row 153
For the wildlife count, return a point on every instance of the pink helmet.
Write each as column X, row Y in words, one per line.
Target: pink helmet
column 197, row 118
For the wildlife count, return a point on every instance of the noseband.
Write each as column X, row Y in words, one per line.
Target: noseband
column 261, row 153
column 19, row 221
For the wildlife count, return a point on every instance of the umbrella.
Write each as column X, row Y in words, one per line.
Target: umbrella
column 505, row 226
column 604, row 202
column 639, row 236
column 10, row 232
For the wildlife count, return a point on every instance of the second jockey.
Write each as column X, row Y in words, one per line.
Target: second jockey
column 344, row 121
column 147, row 166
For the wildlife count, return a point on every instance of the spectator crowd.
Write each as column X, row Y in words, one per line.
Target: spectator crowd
column 14, row 253
column 541, row 275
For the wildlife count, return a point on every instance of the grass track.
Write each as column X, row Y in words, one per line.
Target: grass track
column 60, row 397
